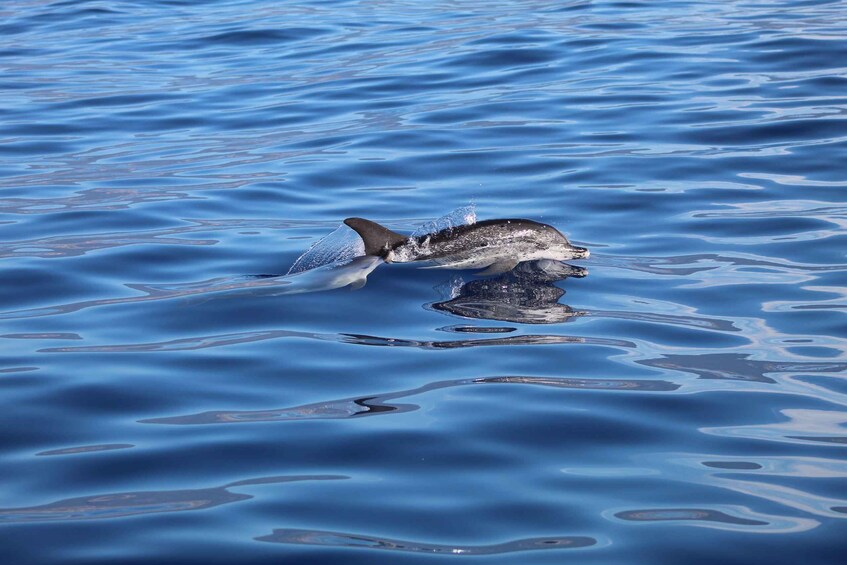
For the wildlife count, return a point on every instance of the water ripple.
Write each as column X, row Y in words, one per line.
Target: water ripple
column 737, row 366
column 741, row 519
column 379, row 404
column 85, row 449
column 340, row 539
column 124, row 504
column 204, row 342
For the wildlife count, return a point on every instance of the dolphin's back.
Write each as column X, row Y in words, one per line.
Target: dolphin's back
column 485, row 228
column 489, row 237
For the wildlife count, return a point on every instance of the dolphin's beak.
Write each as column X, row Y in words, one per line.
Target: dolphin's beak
column 581, row 252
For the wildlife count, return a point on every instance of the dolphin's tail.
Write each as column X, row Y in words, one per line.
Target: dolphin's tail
column 378, row 240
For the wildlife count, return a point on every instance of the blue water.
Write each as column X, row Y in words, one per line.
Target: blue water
column 684, row 401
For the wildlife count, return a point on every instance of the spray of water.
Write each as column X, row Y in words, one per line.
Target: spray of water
column 466, row 215
column 341, row 246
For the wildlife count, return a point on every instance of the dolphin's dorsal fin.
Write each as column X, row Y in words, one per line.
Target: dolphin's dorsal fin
column 378, row 240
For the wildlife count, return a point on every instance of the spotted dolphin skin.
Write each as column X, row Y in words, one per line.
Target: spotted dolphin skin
column 496, row 245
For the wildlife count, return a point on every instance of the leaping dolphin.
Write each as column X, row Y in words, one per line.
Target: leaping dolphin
column 496, row 245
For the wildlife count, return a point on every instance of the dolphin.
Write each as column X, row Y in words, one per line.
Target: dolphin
column 497, row 246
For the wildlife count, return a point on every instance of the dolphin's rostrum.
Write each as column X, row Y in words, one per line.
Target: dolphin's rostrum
column 498, row 245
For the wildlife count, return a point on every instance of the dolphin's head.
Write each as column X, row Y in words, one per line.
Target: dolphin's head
column 560, row 248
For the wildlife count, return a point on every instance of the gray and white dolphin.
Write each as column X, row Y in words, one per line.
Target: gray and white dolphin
column 496, row 245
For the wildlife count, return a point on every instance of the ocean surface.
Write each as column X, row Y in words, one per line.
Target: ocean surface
column 167, row 397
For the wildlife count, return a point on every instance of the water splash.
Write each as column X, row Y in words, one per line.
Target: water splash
column 341, row 246
column 464, row 216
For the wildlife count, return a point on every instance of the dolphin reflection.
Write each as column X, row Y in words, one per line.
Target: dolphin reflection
column 525, row 295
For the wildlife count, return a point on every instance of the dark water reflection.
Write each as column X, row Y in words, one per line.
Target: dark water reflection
column 674, row 514
column 121, row 505
column 204, row 342
column 736, row 366
column 339, row 539
column 86, row 449
column 379, row 404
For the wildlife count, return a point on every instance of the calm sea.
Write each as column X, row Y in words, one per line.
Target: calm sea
column 684, row 401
